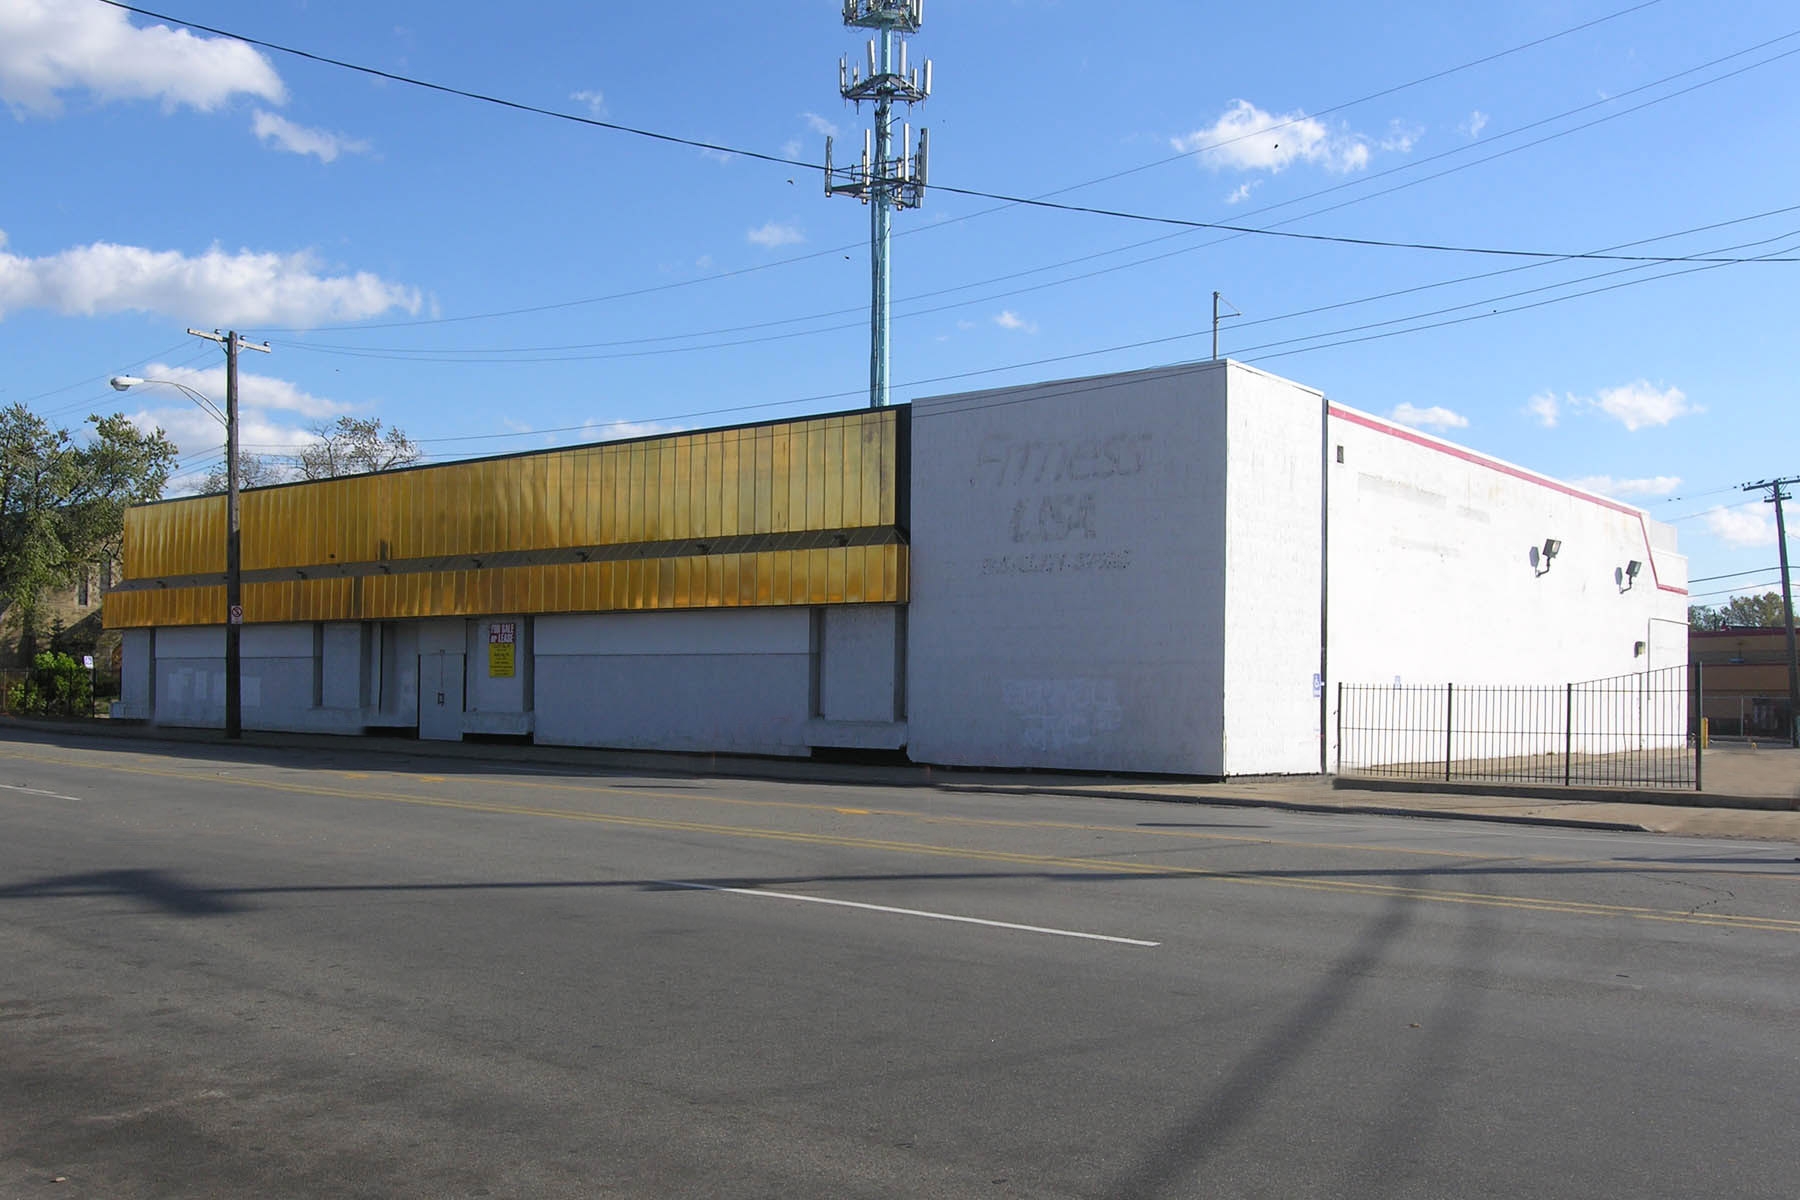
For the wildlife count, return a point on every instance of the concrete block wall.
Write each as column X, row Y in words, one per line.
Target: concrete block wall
column 1437, row 572
column 1274, row 564
column 1068, row 581
column 728, row 681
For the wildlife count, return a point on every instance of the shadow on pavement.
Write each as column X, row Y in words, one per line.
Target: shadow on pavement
column 159, row 890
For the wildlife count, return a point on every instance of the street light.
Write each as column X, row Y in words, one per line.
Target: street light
column 234, row 600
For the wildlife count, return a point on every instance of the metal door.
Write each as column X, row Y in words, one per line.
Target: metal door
column 440, row 696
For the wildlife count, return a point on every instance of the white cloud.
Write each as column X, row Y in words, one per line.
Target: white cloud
column 1636, row 406
column 48, row 47
column 718, row 156
column 1009, row 319
column 256, row 393
column 1606, row 485
column 771, row 234
column 246, row 288
column 1743, row 525
column 298, row 139
column 1435, row 417
column 704, row 262
column 200, row 436
column 819, row 124
column 1639, row 405
column 791, row 148
column 1242, row 192
column 1477, row 122
column 1249, row 139
column 595, row 101
column 1402, row 136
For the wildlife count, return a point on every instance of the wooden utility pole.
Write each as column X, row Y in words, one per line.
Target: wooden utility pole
column 1776, row 496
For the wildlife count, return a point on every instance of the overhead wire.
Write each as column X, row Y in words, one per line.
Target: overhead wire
column 939, row 225
column 426, row 355
column 674, row 139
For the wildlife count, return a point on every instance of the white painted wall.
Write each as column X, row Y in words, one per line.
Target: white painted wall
column 1435, row 573
column 859, row 663
column 728, row 681
column 136, row 664
column 1273, row 562
column 1068, row 549
column 189, row 670
column 498, row 703
column 344, row 670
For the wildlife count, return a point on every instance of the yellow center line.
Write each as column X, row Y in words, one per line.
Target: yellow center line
column 1014, row 858
column 693, row 797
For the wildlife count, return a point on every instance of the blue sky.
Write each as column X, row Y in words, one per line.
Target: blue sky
column 371, row 230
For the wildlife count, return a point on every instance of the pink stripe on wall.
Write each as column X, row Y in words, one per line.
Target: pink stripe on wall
column 1469, row 456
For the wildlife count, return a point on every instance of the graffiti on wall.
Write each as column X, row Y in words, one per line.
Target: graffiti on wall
column 1058, row 713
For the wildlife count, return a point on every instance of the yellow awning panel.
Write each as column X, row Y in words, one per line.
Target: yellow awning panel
column 791, row 512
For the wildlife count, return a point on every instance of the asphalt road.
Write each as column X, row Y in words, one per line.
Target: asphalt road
column 270, row 973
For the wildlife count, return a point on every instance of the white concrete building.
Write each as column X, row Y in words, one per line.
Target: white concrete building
column 1158, row 571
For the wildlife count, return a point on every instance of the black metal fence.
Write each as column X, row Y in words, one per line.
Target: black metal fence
column 1630, row 730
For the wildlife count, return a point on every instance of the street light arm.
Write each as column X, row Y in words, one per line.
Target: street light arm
column 122, row 383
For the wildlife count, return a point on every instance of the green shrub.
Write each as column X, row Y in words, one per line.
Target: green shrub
column 58, row 683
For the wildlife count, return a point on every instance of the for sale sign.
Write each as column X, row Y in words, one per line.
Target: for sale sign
column 502, row 636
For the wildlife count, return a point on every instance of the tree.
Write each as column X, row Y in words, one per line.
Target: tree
column 253, row 471
column 1740, row 612
column 356, row 447
column 63, row 502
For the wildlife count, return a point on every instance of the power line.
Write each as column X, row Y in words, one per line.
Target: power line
column 425, row 355
column 1742, row 587
column 1434, row 247
column 1216, row 145
column 1736, row 574
column 1076, row 355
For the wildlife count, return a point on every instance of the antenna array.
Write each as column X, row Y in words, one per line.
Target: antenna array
column 882, row 179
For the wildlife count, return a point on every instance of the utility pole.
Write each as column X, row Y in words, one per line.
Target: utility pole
column 234, row 598
column 1217, row 316
column 1776, row 496
column 881, row 180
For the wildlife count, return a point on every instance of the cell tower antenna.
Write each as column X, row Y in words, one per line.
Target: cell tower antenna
column 883, row 179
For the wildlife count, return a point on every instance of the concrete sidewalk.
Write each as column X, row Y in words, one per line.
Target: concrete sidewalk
column 1768, row 774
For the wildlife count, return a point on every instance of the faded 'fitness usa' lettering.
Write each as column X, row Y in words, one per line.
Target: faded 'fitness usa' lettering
column 1053, row 518
column 1001, row 462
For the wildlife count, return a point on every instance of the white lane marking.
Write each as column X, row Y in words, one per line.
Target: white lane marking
column 31, row 791
column 906, row 912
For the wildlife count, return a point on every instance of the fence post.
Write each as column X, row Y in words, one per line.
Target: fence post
column 1449, row 703
column 1699, row 720
column 1568, row 734
column 1340, row 727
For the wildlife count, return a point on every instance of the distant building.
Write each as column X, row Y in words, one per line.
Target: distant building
column 1159, row 571
column 1743, row 680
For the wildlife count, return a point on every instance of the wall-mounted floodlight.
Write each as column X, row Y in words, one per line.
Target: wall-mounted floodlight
column 1631, row 573
column 1552, row 547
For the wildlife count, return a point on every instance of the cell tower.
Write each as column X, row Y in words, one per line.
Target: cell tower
column 882, row 180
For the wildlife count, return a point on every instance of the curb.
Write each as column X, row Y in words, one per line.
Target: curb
column 1588, row 795
column 1374, row 810
column 780, row 770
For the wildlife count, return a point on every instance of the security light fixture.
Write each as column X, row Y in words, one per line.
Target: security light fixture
column 1541, row 558
column 1632, row 568
column 1551, row 548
